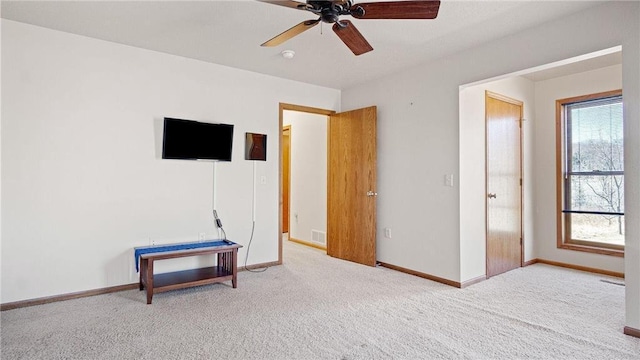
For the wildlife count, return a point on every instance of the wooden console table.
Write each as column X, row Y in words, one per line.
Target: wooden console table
column 226, row 268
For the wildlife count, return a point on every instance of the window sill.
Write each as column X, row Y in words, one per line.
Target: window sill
column 593, row 249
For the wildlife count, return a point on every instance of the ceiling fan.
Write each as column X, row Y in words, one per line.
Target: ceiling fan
column 330, row 12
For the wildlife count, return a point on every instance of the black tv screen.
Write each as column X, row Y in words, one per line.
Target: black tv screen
column 194, row 140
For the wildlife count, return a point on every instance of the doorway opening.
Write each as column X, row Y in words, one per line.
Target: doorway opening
column 304, row 178
column 303, row 175
column 350, row 183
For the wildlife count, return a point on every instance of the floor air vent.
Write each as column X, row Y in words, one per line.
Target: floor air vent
column 319, row 237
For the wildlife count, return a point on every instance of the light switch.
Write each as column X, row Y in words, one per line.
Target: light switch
column 448, row 180
column 263, row 180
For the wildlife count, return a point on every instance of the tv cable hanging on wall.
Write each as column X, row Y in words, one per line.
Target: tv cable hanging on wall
column 255, row 150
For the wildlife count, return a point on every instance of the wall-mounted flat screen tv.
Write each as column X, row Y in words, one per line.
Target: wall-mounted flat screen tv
column 195, row 140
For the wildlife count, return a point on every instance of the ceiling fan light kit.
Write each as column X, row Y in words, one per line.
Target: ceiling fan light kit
column 329, row 11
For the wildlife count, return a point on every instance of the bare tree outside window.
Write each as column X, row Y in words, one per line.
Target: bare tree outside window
column 595, row 170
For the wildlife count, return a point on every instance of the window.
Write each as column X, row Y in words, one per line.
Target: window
column 590, row 173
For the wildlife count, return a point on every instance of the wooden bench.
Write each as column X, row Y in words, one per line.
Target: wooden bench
column 225, row 269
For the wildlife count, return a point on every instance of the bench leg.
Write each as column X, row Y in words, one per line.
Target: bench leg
column 143, row 269
column 234, row 267
column 149, row 280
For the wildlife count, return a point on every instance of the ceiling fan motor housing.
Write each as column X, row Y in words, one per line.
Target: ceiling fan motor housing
column 329, row 15
column 329, row 11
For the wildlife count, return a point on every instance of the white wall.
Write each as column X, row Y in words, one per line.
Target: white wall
column 631, row 91
column 308, row 202
column 0, row 159
column 472, row 171
column 417, row 146
column 419, row 134
column 81, row 181
column 546, row 94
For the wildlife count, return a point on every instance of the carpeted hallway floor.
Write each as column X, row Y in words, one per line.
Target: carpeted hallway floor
column 317, row 307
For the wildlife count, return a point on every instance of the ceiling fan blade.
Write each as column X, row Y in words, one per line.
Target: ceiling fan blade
column 396, row 10
column 351, row 37
column 288, row 34
column 287, row 3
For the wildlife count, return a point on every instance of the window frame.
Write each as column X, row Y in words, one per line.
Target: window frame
column 563, row 219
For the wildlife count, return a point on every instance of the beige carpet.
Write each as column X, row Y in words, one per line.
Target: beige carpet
column 317, row 307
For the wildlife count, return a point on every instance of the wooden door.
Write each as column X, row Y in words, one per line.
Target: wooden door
column 351, row 193
column 504, row 183
column 286, row 177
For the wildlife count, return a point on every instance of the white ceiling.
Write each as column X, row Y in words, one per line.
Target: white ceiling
column 589, row 63
column 230, row 32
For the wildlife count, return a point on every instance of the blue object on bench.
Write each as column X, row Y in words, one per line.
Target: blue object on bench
column 174, row 247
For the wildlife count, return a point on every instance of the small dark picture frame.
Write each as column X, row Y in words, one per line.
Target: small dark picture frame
column 255, row 147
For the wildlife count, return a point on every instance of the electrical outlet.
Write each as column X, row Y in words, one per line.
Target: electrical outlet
column 202, row 236
column 387, row 233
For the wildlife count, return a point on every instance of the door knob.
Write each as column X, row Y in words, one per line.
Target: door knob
column 371, row 193
column 491, row 196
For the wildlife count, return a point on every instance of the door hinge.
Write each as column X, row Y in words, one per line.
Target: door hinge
column 520, row 182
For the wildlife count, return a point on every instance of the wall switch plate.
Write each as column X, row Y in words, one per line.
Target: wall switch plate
column 448, row 180
column 263, row 180
column 387, row 233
